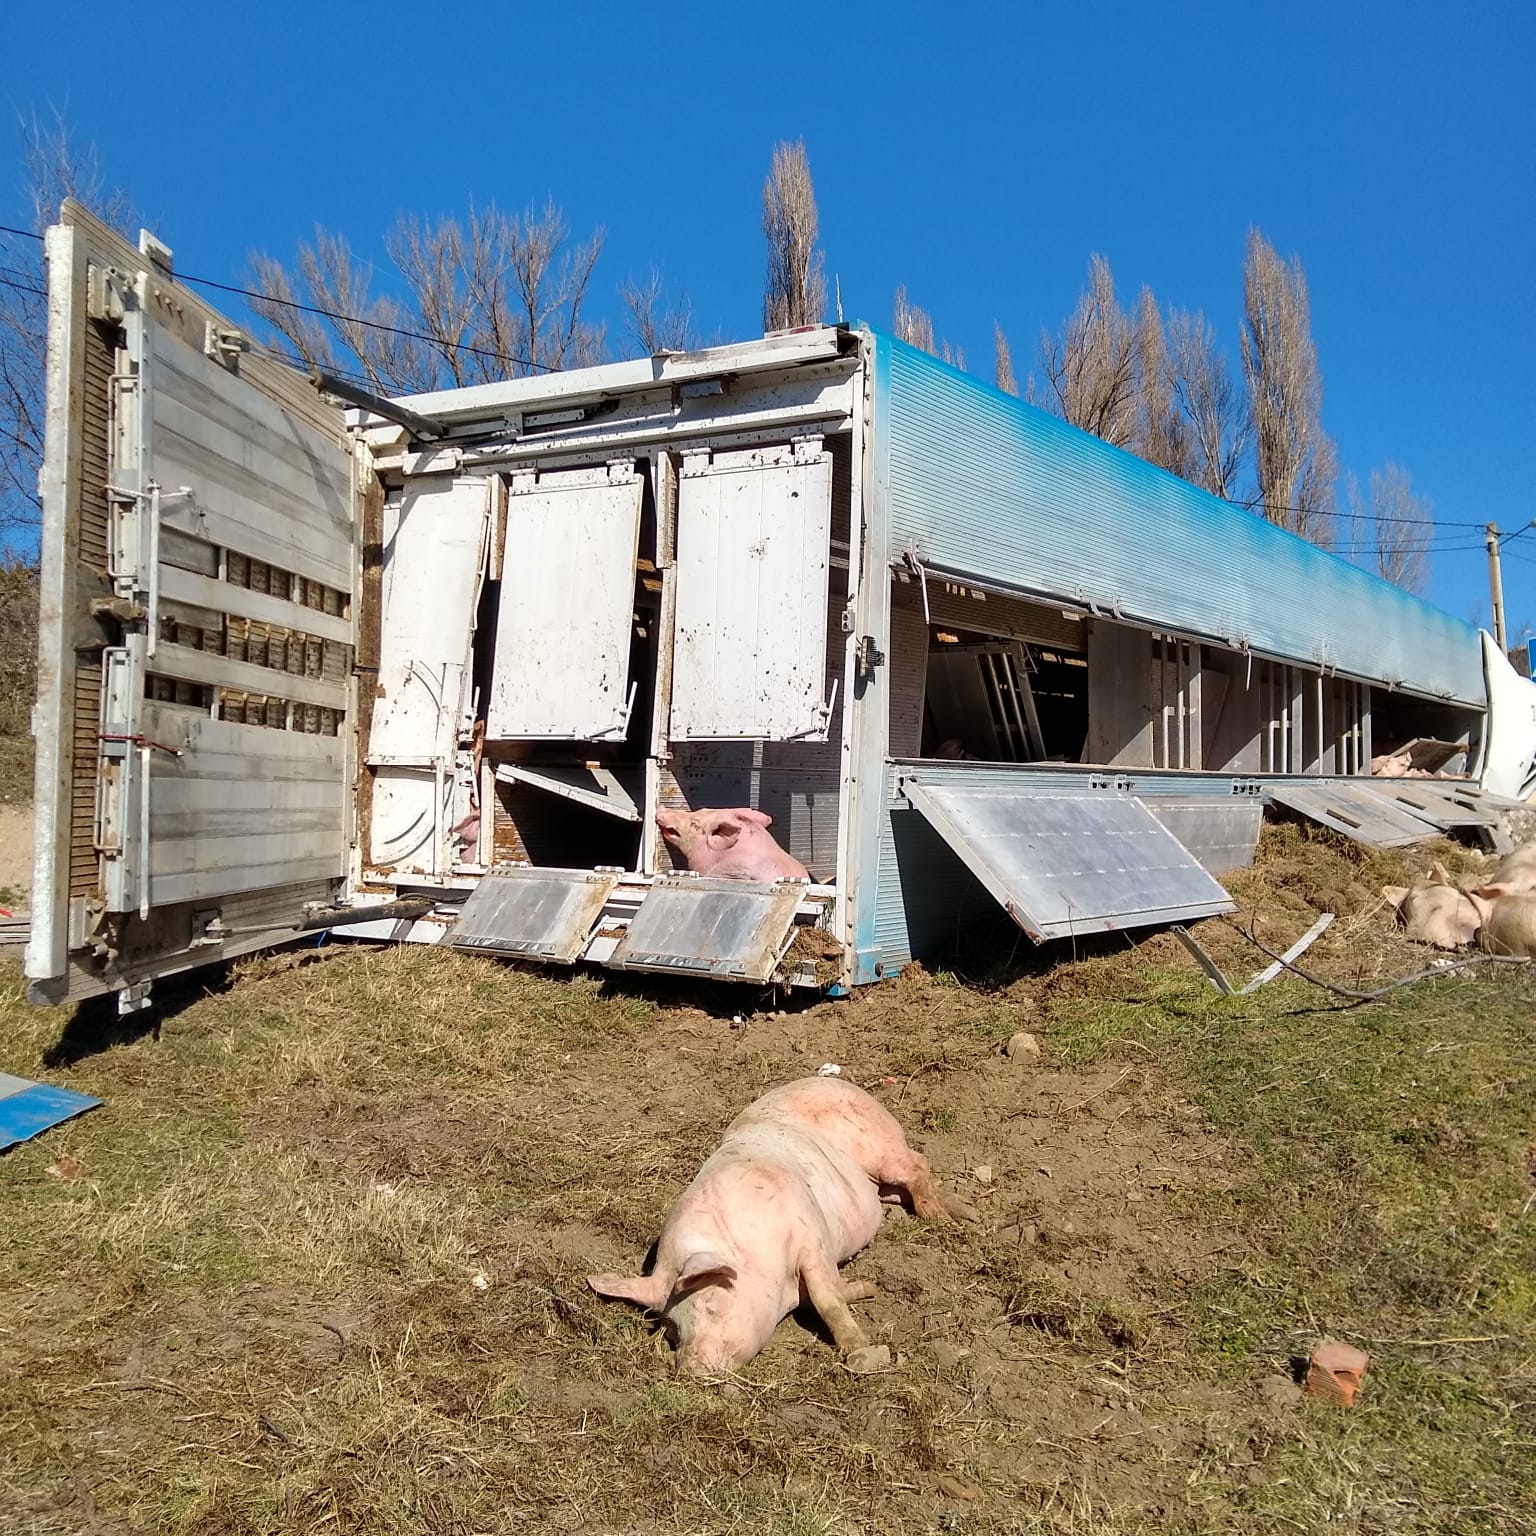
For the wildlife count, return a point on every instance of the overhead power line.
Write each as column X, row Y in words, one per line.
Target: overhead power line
column 343, row 319
column 1254, row 504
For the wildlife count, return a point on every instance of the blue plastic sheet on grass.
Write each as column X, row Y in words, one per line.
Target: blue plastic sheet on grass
column 27, row 1108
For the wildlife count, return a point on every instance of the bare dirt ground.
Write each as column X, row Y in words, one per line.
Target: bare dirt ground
column 15, row 855
column 318, row 1264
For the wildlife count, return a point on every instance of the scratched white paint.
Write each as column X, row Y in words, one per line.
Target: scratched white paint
column 753, row 540
column 567, row 606
column 434, row 542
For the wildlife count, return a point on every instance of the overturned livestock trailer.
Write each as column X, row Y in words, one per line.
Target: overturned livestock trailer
column 429, row 669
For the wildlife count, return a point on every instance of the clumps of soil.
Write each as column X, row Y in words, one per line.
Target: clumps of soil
column 818, row 950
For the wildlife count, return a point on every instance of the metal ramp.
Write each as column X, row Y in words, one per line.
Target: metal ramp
column 1221, row 831
column 1448, row 804
column 1357, row 810
column 1065, row 862
column 538, row 914
column 737, row 930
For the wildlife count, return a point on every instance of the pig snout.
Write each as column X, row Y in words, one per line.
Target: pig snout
column 729, row 844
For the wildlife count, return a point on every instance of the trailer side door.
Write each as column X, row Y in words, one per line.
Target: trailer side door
column 195, row 703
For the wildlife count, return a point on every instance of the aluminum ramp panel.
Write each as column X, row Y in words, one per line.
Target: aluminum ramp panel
column 1221, row 831
column 538, row 914
column 1356, row 810
column 1447, row 805
column 737, row 930
column 1065, row 862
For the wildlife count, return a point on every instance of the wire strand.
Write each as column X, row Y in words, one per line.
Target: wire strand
column 1254, row 504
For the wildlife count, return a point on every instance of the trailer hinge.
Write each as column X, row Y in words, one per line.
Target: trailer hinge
column 134, row 998
column 1247, row 787
column 1117, row 781
column 224, row 344
column 104, row 295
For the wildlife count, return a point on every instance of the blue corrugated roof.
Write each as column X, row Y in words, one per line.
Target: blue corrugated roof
column 982, row 484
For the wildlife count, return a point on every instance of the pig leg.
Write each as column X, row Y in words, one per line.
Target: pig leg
column 908, row 1173
column 823, row 1286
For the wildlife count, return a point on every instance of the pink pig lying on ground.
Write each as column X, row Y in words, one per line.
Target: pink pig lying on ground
column 729, row 845
column 1435, row 912
column 1517, row 872
column 1508, row 925
column 793, row 1190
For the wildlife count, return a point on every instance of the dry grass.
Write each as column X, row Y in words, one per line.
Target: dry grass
column 322, row 1270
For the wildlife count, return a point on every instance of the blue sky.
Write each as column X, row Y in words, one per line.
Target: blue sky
column 976, row 152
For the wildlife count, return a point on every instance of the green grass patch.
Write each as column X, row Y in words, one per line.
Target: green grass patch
column 322, row 1268
column 1391, row 1200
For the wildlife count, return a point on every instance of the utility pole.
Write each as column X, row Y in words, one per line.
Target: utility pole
column 1496, row 585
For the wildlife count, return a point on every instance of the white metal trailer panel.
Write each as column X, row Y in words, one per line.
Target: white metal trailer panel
column 200, row 563
column 1356, row 810
column 434, row 544
column 567, row 603
column 434, row 552
column 753, row 548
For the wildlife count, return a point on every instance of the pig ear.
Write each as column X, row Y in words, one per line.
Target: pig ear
column 725, row 827
column 759, row 818
column 1396, row 894
column 1438, row 876
column 1492, row 892
column 643, row 1290
column 701, row 1269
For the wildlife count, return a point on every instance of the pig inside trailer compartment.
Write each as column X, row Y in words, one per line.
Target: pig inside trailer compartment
column 269, row 657
column 590, row 657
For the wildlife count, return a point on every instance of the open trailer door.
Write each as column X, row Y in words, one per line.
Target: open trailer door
column 1070, row 861
column 199, row 559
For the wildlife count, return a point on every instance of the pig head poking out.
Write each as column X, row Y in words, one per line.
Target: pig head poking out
column 1435, row 912
column 793, row 1190
column 729, row 845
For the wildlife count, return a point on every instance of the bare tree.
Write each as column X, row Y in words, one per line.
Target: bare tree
column 1161, row 434
column 796, row 290
column 498, row 296
column 53, row 167
column 657, row 324
column 1004, row 374
column 1213, row 407
column 1295, row 457
column 1090, row 366
column 914, row 325
column 1391, row 534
